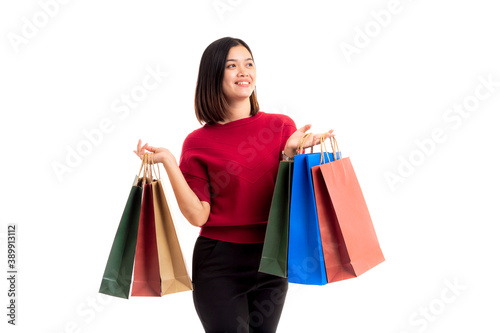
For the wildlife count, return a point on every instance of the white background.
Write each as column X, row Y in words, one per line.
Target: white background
column 438, row 225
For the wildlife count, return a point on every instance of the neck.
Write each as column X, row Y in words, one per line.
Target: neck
column 238, row 110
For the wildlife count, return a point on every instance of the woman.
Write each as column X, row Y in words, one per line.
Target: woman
column 224, row 184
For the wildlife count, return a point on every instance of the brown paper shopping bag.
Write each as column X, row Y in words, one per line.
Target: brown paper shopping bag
column 173, row 273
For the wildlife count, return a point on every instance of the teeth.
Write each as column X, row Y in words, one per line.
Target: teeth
column 243, row 83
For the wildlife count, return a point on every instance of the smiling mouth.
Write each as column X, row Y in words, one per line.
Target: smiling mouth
column 243, row 83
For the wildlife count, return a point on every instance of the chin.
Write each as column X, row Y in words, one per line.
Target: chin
column 242, row 96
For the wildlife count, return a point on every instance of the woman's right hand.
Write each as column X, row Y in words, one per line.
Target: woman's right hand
column 160, row 154
column 194, row 210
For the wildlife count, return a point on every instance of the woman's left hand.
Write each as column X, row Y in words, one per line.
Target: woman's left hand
column 293, row 140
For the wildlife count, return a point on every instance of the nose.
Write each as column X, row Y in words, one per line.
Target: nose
column 242, row 72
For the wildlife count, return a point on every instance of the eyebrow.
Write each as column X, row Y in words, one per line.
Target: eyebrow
column 237, row 60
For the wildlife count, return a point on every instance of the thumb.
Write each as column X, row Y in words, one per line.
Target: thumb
column 305, row 128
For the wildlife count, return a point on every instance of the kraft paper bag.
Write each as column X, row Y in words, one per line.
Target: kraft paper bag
column 173, row 272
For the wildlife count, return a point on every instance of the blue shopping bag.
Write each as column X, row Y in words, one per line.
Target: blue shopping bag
column 306, row 264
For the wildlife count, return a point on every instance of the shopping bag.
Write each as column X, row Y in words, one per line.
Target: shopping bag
column 350, row 244
column 306, row 264
column 274, row 258
column 173, row 273
column 118, row 272
column 334, row 250
column 146, row 280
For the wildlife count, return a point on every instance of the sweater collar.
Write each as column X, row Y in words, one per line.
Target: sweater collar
column 237, row 122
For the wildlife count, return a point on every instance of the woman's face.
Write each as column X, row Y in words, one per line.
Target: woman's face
column 239, row 75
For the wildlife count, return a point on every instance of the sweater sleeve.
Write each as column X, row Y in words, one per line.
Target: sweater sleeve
column 195, row 171
column 288, row 129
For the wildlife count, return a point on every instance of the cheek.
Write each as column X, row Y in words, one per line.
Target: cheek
column 254, row 76
column 228, row 79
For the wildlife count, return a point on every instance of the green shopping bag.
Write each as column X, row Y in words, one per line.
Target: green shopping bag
column 275, row 252
column 118, row 272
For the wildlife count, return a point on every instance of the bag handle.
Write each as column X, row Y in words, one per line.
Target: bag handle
column 335, row 148
column 302, row 140
column 145, row 175
column 148, row 177
column 139, row 173
column 324, row 150
column 150, row 167
column 140, row 170
column 157, row 175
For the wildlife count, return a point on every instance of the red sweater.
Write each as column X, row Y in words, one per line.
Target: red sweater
column 233, row 167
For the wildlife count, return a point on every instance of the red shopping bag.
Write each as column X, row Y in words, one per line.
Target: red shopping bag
column 146, row 280
column 350, row 244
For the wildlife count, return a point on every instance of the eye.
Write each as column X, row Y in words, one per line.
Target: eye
column 250, row 64
column 230, row 66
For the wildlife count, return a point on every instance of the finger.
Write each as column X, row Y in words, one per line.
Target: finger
column 150, row 148
column 139, row 151
column 139, row 145
column 312, row 141
column 142, row 148
column 305, row 128
column 327, row 135
column 317, row 139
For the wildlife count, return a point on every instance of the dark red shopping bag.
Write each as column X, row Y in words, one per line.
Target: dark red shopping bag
column 146, row 280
